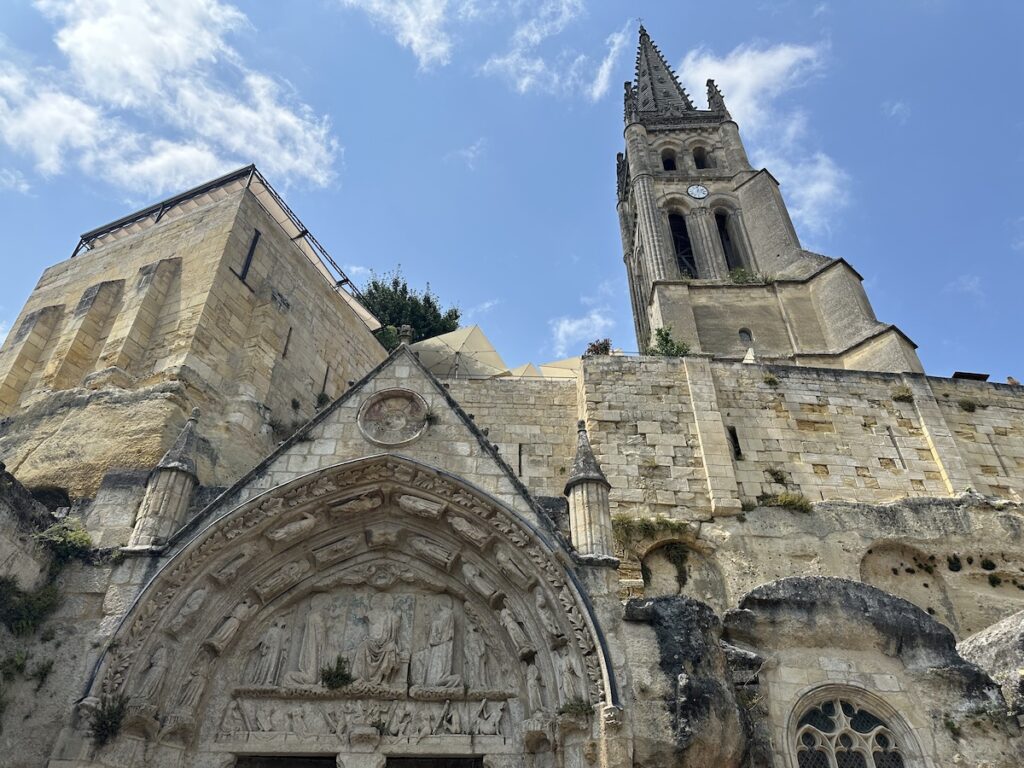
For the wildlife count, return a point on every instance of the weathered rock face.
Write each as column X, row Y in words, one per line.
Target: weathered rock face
column 20, row 516
column 695, row 690
column 999, row 650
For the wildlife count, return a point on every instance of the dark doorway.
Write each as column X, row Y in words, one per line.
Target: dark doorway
column 435, row 762
column 287, row 762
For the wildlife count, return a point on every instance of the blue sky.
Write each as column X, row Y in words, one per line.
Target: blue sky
column 473, row 142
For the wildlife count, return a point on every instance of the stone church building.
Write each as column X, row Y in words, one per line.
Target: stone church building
column 788, row 548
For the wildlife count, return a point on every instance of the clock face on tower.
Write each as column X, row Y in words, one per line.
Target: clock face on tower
column 697, row 191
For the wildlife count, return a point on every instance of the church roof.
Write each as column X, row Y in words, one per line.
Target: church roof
column 657, row 88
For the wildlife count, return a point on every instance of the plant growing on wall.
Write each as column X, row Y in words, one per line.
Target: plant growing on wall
column 665, row 346
column 336, row 675
column 598, row 347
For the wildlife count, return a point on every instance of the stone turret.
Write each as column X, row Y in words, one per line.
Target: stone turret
column 168, row 491
column 590, row 519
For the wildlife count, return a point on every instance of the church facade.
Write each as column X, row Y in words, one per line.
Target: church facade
column 788, row 548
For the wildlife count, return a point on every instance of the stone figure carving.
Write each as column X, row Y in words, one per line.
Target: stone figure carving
column 188, row 609
column 361, row 504
column 449, row 721
column 292, row 530
column 338, row 550
column 488, row 719
column 311, row 650
column 283, row 578
column 234, row 719
column 516, row 633
column 475, row 654
column 470, row 532
column 482, row 586
column 570, row 677
column 270, row 653
column 227, row 572
column 400, row 721
column 415, row 505
column 440, row 645
column 376, row 659
column 424, row 725
column 548, row 620
column 513, row 572
column 433, row 552
column 153, row 678
column 534, row 688
column 192, row 690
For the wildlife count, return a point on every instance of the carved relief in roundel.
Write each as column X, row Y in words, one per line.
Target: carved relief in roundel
column 393, row 417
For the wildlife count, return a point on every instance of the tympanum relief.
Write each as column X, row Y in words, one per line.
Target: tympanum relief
column 454, row 624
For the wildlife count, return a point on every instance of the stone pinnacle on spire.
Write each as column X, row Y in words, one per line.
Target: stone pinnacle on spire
column 657, row 88
column 584, row 467
column 180, row 455
column 715, row 100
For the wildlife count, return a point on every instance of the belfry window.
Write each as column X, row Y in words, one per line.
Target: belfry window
column 732, row 255
column 681, row 244
column 838, row 734
column 701, row 158
column 668, row 160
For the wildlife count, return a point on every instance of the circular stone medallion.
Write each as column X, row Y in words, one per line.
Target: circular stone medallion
column 393, row 417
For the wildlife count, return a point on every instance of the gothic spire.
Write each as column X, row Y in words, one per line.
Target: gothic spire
column 584, row 467
column 657, row 89
column 715, row 100
column 180, row 455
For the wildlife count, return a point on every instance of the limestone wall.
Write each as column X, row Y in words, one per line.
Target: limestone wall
column 115, row 346
column 532, row 423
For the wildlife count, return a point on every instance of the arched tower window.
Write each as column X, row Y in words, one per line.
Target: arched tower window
column 746, row 337
column 733, row 260
column 839, row 734
column 668, row 160
column 681, row 244
column 702, row 159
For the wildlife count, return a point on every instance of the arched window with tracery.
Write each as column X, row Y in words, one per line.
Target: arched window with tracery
column 682, row 246
column 840, row 734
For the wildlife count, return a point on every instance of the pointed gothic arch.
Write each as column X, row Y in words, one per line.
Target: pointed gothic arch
column 449, row 607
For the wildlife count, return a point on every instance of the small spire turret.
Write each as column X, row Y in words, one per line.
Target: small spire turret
column 590, row 518
column 715, row 99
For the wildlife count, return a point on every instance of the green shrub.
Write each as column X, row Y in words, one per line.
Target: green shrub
column 576, row 707
column 770, row 380
column 665, row 346
column 67, row 540
column 105, row 723
column 968, row 405
column 22, row 612
column 628, row 529
column 743, row 276
column 787, row 500
column 337, row 675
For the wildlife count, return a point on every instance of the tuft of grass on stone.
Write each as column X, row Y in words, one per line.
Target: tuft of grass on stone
column 628, row 529
column 903, row 395
column 743, row 276
column 771, row 380
column 576, row 707
column 105, row 723
column 967, row 405
column 796, row 502
column 337, row 675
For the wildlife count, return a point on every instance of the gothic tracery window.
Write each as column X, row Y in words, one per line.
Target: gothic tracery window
column 685, row 259
column 838, row 734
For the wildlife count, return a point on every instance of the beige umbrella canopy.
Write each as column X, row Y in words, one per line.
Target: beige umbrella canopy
column 569, row 368
column 463, row 353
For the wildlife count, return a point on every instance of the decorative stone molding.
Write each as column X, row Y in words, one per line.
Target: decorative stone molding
column 393, row 417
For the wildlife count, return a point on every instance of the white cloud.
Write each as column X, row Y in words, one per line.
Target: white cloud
column 480, row 309
column 616, row 42
column 469, row 155
column 896, row 110
column 754, row 79
column 420, row 25
column 566, row 331
column 967, row 285
column 153, row 99
column 13, row 181
column 357, row 271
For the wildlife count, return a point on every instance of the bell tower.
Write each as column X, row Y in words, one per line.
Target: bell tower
column 711, row 252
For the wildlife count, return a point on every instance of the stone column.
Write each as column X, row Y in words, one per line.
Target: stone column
column 590, row 518
column 649, row 224
column 168, row 492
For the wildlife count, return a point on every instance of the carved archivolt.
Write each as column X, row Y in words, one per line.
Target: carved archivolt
column 453, row 616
